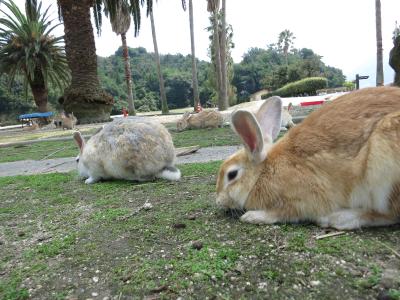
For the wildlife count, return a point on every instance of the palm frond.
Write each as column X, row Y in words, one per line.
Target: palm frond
column 27, row 47
column 97, row 13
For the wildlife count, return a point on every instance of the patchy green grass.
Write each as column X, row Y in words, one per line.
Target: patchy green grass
column 56, row 149
column 60, row 239
column 18, row 135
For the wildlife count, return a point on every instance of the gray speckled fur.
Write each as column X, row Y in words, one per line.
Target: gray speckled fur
column 128, row 149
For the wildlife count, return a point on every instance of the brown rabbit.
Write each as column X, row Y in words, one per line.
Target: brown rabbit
column 204, row 119
column 339, row 168
column 68, row 122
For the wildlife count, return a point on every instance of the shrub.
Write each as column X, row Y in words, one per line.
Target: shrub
column 306, row 86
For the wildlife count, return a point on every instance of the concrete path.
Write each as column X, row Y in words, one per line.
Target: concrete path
column 63, row 165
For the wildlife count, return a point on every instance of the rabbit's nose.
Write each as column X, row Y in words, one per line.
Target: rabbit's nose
column 219, row 201
column 223, row 202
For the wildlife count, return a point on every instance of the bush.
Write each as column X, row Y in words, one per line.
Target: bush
column 306, row 86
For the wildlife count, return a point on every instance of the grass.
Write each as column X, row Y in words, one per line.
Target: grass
column 61, row 239
column 57, row 149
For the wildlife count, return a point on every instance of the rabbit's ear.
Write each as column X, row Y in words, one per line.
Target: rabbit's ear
column 246, row 126
column 269, row 116
column 186, row 115
column 80, row 141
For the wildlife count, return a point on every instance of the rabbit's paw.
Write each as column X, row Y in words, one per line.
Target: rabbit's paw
column 91, row 180
column 346, row 219
column 259, row 217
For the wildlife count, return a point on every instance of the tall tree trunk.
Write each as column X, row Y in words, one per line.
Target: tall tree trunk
column 196, row 98
column 128, row 77
column 84, row 97
column 39, row 91
column 164, row 104
column 379, row 50
column 285, row 53
column 224, row 104
column 217, row 59
column 40, row 94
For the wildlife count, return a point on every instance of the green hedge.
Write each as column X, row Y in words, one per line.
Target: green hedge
column 306, row 86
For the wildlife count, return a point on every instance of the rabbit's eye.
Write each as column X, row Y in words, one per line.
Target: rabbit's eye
column 77, row 159
column 232, row 174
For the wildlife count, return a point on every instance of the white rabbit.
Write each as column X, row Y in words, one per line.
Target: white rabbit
column 339, row 168
column 129, row 149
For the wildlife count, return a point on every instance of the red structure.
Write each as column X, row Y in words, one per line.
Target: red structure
column 311, row 103
column 125, row 112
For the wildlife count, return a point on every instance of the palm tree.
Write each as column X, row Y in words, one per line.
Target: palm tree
column 84, row 96
column 28, row 49
column 196, row 97
column 213, row 8
column 224, row 80
column 212, row 78
column 164, row 104
column 379, row 50
column 120, row 24
column 286, row 38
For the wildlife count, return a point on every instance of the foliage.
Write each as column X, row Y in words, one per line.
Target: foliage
column 176, row 72
column 266, row 69
column 28, row 48
column 212, row 80
column 12, row 101
column 350, row 85
column 396, row 32
column 260, row 68
column 306, row 86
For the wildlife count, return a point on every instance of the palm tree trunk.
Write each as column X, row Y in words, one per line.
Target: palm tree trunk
column 196, row 98
column 39, row 90
column 217, row 58
column 84, row 97
column 40, row 94
column 164, row 104
column 379, row 50
column 224, row 104
column 128, row 77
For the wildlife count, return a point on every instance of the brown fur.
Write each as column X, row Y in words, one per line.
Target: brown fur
column 68, row 122
column 204, row 119
column 314, row 169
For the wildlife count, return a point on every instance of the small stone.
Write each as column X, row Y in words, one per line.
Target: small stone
column 315, row 282
column 95, row 279
column 383, row 295
column 147, row 206
column 197, row 245
column 179, row 225
column 192, row 217
column 390, row 278
column 197, row 276
column 94, row 294
column 239, row 269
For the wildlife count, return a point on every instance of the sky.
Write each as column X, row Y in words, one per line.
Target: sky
column 341, row 31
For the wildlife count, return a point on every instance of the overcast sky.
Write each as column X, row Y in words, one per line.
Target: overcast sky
column 341, row 31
